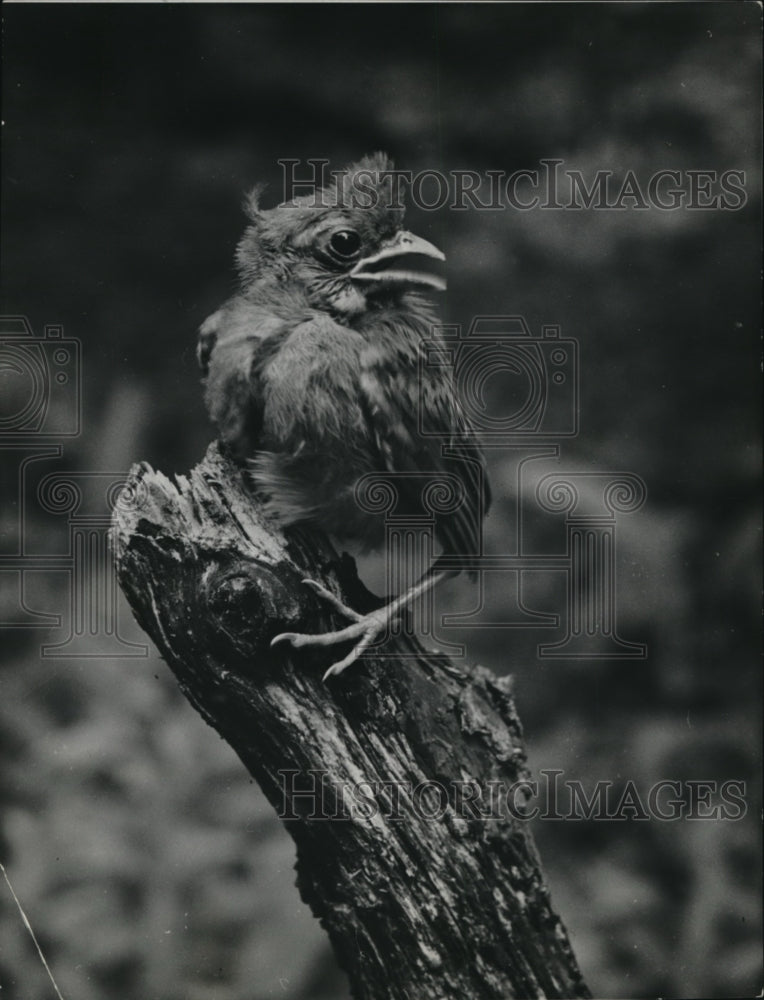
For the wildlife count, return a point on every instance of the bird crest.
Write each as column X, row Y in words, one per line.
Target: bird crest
column 371, row 184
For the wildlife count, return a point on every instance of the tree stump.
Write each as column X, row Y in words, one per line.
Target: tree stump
column 390, row 778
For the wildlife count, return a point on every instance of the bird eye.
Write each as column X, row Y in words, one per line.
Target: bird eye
column 345, row 244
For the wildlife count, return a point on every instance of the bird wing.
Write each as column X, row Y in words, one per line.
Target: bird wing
column 233, row 345
column 420, row 428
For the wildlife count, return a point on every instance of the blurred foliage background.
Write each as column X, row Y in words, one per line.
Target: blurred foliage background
column 148, row 864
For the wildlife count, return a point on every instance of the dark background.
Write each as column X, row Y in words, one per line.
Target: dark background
column 148, row 865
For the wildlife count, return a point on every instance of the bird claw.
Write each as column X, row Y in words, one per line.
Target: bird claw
column 373, row 626
column 332, row 599
column 364, row 628
column 295, row 639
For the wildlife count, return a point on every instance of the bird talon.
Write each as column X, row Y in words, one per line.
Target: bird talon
column 325, row 594
column 374, row 624
column 365, row 630
column 284, row 637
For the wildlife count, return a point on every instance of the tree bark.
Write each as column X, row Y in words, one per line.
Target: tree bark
column 427, row 882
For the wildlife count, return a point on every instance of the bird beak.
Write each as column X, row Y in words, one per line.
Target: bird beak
column 404, row 260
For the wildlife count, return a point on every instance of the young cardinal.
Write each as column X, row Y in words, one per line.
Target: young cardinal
column 314, row 377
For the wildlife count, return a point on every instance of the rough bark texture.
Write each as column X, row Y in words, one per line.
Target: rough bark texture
column 417, row 907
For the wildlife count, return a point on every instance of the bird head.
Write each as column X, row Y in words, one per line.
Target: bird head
column 343, row 247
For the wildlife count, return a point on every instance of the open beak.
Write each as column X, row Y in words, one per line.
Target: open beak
column 404, row 260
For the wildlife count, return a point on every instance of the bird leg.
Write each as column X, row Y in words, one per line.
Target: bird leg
column 366, row 629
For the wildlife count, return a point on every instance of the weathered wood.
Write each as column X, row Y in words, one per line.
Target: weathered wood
column 453, row 905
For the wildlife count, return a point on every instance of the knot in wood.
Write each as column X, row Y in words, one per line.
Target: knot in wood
column 246, row 603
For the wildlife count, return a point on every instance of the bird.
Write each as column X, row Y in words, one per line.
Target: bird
column 315, row 376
